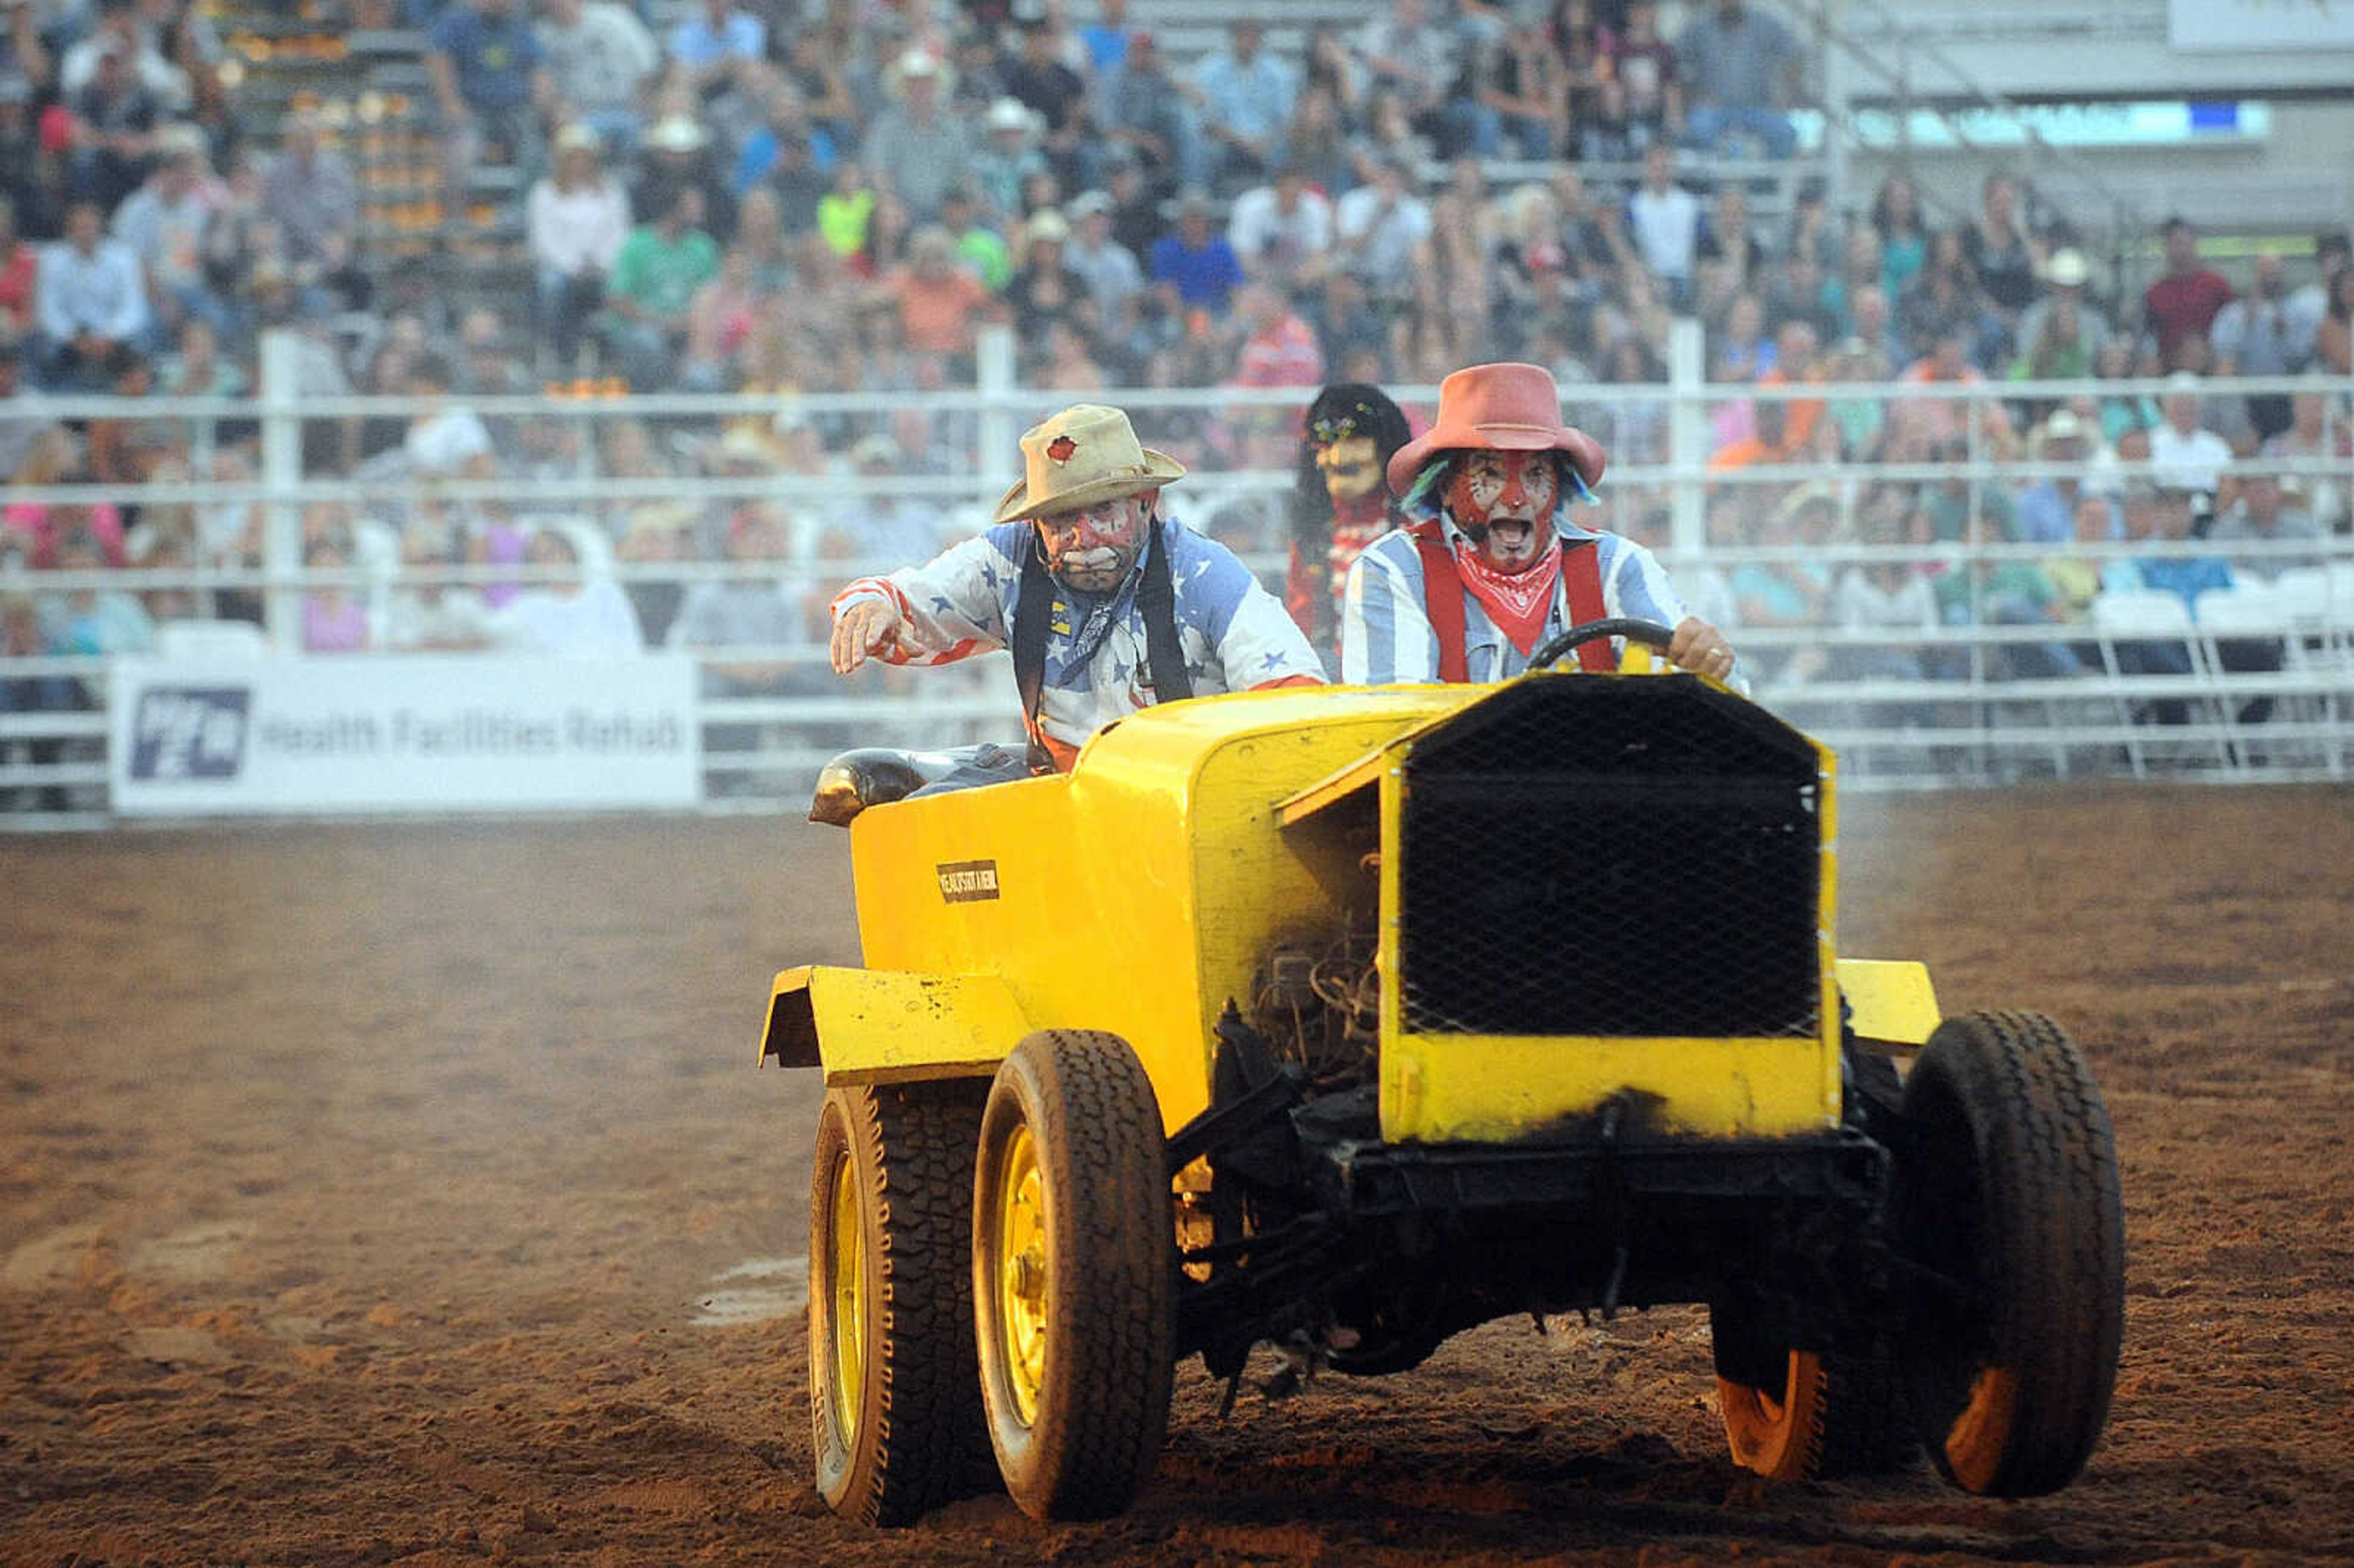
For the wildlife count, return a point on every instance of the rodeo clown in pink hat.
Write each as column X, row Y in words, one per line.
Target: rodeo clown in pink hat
column 1107, row 605
column 1488, row 566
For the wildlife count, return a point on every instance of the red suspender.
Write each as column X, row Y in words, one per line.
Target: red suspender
column 1581, row 578
column 1442, row 596
column 1442, row 601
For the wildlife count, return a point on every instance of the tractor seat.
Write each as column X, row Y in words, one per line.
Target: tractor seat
column 878, row 775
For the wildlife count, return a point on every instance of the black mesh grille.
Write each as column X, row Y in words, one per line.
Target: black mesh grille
column 1611, row 857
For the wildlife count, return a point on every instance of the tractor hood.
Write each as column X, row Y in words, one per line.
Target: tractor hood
column 1598, row 889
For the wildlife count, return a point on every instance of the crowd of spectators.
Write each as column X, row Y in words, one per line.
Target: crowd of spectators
column 828, row 197
column 955, row 167
column 2074, row 524
column 1976, row 305
column 877, row 133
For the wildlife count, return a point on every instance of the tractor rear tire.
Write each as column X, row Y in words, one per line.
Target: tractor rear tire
column 895, row 1397
column 1073, row 1264
column 2006, row 1197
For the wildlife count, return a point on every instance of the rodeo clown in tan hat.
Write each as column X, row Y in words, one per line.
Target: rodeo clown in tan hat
column 1489, row 564
column 1107, row 605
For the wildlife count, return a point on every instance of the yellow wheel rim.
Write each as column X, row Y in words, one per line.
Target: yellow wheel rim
column 1980, row 1438
column 1776, row 1431
column 1020, row 1282
column 846, row 1303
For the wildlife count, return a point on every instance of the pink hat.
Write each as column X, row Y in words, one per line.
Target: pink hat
column 1499, row 408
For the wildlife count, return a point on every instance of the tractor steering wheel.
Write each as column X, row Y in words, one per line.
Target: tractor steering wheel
column 1630, row 627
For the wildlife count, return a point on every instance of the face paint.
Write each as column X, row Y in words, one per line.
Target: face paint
column 1093, row 550
column 1348, row 466
column 1503, row 502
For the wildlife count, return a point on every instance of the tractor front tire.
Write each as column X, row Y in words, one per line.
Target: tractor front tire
column 1794, row 1416
column 2006, row 1198
column 894, row 1398
column 1777, row 1430
column 1816, row 1416
column 1074, row 1258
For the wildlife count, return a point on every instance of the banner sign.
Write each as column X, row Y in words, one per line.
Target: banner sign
column 2243, row 26
column 2147, row 123
column 421, row 733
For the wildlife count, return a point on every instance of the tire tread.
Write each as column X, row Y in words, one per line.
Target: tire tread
column 927, row 1437
column 1101, row 1420
column 2054, row 1214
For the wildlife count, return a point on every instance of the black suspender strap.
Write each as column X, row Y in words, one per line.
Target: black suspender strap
column 1033, row 605
column 1157, row 600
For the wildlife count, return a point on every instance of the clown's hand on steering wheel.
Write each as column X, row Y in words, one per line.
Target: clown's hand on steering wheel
column 1701, row 647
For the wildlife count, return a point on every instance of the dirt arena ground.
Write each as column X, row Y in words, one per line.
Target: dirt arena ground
column 376, row 1194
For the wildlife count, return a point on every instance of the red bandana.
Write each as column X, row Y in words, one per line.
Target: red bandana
column 1518, row 602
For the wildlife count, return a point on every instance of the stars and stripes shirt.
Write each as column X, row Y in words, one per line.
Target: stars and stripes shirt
column 1234, row 635
column 1385, row 631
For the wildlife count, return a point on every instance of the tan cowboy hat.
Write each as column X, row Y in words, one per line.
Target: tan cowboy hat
column 661, row 517
column 2063, row 426
column 746, row 443
column 916, row 63
column 1045, row 228
column 1814, row 493
column 678, row 133
column 1084, row 454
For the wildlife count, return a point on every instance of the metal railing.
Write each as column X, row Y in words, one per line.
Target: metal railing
column 1993, row 699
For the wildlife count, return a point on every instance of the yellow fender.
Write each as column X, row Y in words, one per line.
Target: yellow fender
column 879, row 1026
column 1890, row 1004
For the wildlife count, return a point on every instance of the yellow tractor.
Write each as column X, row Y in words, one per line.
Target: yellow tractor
column 1348, row 1019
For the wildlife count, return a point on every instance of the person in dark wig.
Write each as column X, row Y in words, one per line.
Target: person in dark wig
column 1342, row 504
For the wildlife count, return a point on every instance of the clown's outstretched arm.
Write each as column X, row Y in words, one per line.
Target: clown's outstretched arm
column 948, row 608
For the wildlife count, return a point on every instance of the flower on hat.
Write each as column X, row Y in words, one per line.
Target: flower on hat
column 1085, row 454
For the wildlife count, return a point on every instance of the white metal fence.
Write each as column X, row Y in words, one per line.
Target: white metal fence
column 2247, row 684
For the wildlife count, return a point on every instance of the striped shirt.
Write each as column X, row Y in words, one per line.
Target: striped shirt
column 1234, row 635
column 1385, row 631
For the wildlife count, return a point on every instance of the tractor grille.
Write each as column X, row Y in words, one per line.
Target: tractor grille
column 1611, row 857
